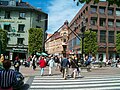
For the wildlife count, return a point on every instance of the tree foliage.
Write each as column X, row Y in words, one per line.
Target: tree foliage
column 111, row 2
column 35, row 40
column 90, row 43
column 118, row 43
column 3, row 39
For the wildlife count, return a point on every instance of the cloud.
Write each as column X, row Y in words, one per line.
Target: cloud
column 59, row 11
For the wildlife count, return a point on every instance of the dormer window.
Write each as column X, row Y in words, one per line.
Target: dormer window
column 22, row 15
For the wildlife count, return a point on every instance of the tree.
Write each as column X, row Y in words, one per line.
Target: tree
column 90, row 42
column 3, row 40
column 111, row 2
column 118, row 43
column 35, row 40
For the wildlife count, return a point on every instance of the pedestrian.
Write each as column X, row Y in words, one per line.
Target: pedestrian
column 64, row 65
column 17, row 64
column 42, row 64
column 1, row 60
column 7, row 76
column 75, row 68
column 57, row 62
column 34, row 59
column 51, row 64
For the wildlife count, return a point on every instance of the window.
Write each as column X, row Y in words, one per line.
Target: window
column 102, row 22
column 110, row 11
column 4, row 3
column 7, row 27
column 93, row 9
column 93, row 21
column 101, row 10
column 77, row 41
column 117, row 23
column 21, row 27
column 20, row 41
column 7, row 15
column 38, row 18
column 117, row 12
column 22, row 15
column 110, row 23
column 102, row 36
column 111, row 36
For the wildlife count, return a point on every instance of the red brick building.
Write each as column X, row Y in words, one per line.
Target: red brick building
column 101, row 18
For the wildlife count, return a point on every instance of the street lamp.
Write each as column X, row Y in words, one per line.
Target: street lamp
column 82, row 37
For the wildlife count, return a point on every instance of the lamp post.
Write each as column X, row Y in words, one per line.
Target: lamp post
column 82, row 37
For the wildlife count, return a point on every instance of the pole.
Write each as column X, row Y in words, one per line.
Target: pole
column 0, row 45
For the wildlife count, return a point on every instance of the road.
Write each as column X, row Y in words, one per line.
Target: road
column 107, row 78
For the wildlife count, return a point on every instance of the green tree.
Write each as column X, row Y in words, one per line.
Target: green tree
column 111, row 2
column 118, row 43
column 3, row 40
column 90, row 42
column 35, row 40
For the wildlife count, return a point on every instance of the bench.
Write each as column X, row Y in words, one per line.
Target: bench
column 98, row 64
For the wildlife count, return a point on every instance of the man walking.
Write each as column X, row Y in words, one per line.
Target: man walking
column 64, row 65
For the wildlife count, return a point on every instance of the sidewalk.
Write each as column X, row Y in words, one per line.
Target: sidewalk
column 98, row 71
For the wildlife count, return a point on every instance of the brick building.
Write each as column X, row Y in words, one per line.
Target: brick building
column 101, row 18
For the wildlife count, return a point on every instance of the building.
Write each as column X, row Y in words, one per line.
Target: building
column 101, row 18
column 56, row 44
column 17, row 18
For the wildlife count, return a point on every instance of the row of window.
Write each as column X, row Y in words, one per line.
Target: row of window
column 101, row 10
column 74, row 42
column 102, row 22
column 110, row 36
column 19, row 41
column 22, row 15
column 20, row 28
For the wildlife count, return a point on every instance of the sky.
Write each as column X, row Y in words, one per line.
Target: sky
column 58, row 11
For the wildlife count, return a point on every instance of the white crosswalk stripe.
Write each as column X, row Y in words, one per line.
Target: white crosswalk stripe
column 80, row 83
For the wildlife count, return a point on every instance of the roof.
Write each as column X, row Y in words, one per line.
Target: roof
column 22, row 5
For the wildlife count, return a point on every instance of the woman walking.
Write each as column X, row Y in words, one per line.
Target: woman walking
column 51, row 64
column 42, row 65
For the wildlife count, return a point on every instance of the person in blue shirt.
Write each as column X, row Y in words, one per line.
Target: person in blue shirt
column 64, row 65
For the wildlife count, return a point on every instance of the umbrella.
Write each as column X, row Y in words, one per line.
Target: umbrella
column 44, row 54
column 38, row 54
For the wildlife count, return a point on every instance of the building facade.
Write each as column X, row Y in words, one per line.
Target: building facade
column 17, row 18
column 101, row 18
column 55, row 43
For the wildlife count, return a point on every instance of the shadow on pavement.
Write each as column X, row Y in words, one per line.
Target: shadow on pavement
column 25, row 87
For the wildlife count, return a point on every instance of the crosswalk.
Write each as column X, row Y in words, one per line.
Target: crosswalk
column 99, row 82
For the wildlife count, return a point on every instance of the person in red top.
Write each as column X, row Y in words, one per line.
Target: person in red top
column 42, row 64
